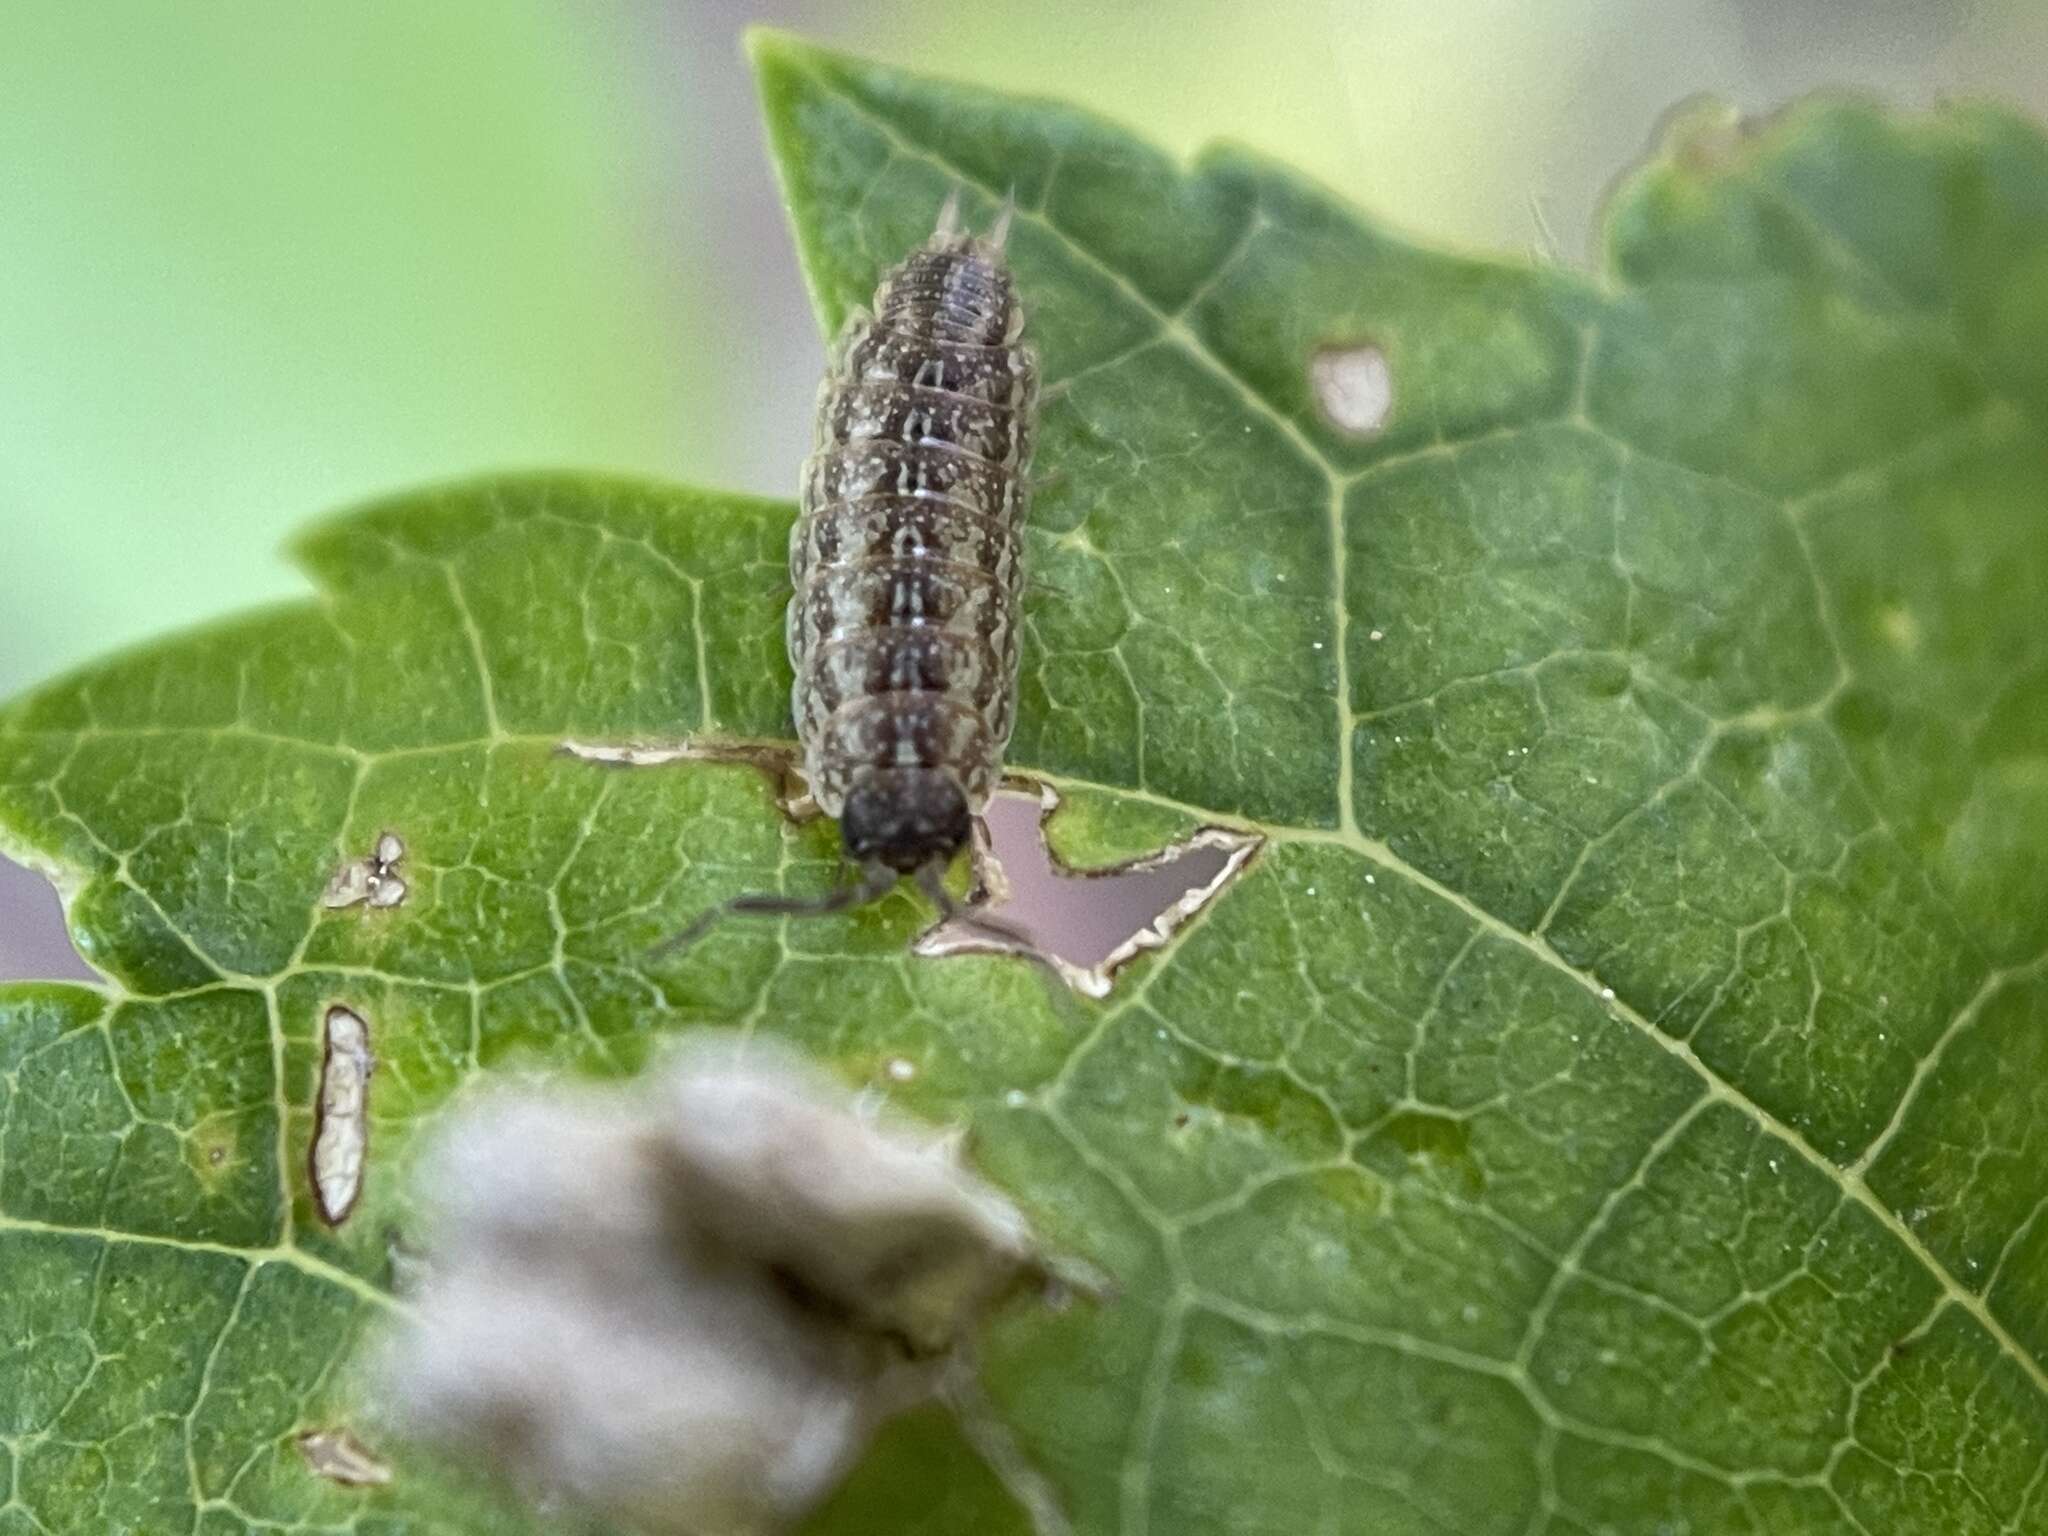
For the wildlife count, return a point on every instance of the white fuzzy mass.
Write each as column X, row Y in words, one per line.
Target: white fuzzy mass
column 686, row 1305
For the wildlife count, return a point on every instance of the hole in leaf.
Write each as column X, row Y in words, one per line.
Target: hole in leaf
column 1353, row 386
column 35, row 944
column 373, row 880
column 1087, row 923
column 341, row 1128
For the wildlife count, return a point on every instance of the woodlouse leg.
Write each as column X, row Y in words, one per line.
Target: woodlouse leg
column 989, row 886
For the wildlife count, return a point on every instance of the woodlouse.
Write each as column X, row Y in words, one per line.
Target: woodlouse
column 906, row 562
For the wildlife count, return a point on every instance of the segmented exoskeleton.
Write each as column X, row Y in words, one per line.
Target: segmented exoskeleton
column 906, row 563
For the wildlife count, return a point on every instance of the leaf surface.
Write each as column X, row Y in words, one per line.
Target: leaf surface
column 1612, row 1101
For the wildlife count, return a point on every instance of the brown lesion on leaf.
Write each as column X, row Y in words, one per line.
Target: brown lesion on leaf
column 1709, row 138
column 337, row 1455
column 1086, row 924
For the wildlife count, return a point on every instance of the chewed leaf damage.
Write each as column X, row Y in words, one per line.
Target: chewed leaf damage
column 341, row 1114
column 1182, row 878
column 1086, row 925
column 372, row 880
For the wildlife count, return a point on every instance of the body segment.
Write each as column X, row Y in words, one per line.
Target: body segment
column 906, row 558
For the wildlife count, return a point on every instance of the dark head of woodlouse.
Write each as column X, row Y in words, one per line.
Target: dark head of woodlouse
column 955, row 288
column 906, row 819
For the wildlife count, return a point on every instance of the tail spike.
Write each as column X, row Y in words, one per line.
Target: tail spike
column 999, row 232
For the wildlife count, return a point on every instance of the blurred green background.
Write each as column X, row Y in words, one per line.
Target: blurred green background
column 259, row 261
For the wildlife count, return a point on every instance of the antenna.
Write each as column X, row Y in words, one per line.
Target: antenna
column 876, row 881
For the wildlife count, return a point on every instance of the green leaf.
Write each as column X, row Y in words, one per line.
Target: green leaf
column 1613, row 1101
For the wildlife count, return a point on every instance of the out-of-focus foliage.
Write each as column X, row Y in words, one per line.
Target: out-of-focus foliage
column 256, row 261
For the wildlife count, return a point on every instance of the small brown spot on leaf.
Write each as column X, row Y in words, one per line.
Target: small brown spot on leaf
column 211, row 1148
column 1353, row 387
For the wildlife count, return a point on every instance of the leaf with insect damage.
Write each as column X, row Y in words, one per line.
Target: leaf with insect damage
column 1611, row 1099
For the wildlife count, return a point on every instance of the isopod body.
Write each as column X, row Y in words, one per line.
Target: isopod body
column 906, row 558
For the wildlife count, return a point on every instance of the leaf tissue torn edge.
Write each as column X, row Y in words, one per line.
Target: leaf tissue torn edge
column 341, row 1128
column 776, row 760
column 373, row 879
column 958, row 937
column 337, row 1455
column 1353, row 386
column 67, row 879
column 990, row 893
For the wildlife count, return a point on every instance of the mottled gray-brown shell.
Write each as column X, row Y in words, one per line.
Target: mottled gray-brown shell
column 907, row 556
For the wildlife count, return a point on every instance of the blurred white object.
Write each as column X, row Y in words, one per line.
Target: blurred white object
column 687, row 1307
